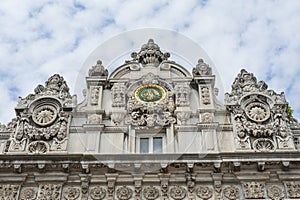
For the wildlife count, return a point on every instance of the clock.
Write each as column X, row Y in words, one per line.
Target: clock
column 150, row 93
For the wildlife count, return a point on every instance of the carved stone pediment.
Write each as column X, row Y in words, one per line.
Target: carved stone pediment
column 43, row 124
column 259, row 115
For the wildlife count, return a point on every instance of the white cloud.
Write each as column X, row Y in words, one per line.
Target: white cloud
column 40, row 38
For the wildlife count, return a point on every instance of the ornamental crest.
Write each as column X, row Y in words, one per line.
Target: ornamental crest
column 259, row 115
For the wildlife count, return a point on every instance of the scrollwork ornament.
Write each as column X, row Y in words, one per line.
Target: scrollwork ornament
column 71, row 193
column 275, row 192
column 231, row 192
column 151, row 193
column 28, row 194
column 204, row 192
column 178, row 192
column 124, row 193
column 97, row 193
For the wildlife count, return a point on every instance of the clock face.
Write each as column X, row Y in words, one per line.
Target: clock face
column 150, row 93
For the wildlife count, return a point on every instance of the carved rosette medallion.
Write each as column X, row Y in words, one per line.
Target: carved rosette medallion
column 204, row 192
column 71, row 193
column 49, row 191
column 275, row 192
column 258, row 112
column 97, row 193
column 28, row 194
column 44, row 115
column 263, row 145
column 178, row 193
column 124, row 193
column 231, row 192
column 150, row 93
column 150, row 193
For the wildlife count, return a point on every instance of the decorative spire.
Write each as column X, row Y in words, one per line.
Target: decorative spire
column 202, row 69
column 98, row 70
column 150, row 54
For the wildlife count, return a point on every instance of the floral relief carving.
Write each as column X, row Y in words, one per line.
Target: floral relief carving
column 182, row 91
column 257, row 111
column 38, row 147
column 49, row 192
column 124, row 193
column 293, row 189
column 150, row 114
column 94, row 96
column 150, row 193
column 178, row 192
column 28, row 194
column 231, row 192
column 204, row 192
column 254, row 190
column 97, row 193
column 9, row 192
column 118, row 95
column 205, row 95
column 207, row 117
column 71, row 193
column 275, row 192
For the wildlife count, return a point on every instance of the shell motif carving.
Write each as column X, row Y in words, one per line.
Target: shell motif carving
column 263, row 145
column 124, row 193
column 97, row 193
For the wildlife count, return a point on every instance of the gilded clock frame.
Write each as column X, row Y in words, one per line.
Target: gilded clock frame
column 161, row 89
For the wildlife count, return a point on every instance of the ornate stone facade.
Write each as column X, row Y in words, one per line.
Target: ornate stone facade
column 151, row 130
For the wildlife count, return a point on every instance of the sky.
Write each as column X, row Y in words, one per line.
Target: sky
column 39, row 38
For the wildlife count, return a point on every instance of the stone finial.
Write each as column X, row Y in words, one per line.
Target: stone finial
column 98, row 70
column 202, row 69
column 150, row 54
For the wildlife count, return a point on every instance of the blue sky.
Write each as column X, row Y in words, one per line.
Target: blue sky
column 40, row 38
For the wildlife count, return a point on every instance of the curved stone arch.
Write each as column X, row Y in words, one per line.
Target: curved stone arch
column 124, row 69
column 46, row 100
column 255, row 97
column 175, row 68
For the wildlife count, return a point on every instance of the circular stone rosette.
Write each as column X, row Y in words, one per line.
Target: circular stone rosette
column 71, row 193
column 124, row 193
column 28, row 194
column 45, row 111
column 150, row 93
column 97, row 193
column 177, row 193
column 258, row 112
